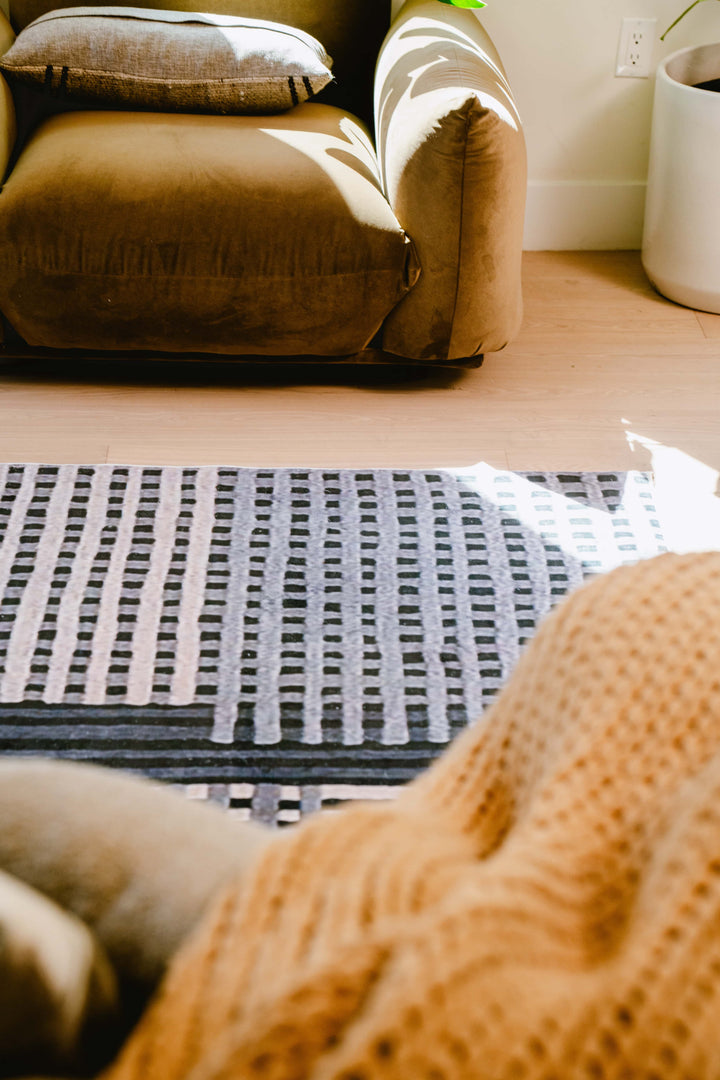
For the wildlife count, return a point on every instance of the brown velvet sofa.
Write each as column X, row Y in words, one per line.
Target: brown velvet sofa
column 380, row 221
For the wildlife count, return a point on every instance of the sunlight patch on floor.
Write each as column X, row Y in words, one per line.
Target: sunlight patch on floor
column 686, row 496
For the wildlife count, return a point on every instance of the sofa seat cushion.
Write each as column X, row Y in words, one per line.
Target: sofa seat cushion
column 225, row 234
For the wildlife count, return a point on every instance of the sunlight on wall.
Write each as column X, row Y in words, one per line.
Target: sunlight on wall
column 686, row 496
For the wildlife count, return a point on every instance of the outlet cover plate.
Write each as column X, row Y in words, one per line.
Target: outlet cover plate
column 635, row 48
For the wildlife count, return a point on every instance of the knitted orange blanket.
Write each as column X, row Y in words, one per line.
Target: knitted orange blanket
column 543, row 903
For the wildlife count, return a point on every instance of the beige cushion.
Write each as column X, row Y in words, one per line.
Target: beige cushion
column 351, row 31
column 56, row 984
column 137, row 862
column 169, row 60
column 226, row 234
column 452, row 156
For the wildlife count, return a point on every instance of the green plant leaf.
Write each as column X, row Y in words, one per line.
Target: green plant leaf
column 464, row 3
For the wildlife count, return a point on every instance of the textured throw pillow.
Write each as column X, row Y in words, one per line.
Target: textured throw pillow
column 169, row 61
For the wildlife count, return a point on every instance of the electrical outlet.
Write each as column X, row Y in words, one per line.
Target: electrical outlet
column 635, row 49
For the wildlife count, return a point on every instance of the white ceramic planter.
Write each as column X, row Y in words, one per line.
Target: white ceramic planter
column 681, row 237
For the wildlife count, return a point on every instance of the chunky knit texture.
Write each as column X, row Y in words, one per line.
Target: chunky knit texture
column 543, row 903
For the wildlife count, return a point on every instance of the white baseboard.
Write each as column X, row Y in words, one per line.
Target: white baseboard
column 570, row 216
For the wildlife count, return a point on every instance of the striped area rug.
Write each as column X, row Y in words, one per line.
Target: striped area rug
column 277, row 640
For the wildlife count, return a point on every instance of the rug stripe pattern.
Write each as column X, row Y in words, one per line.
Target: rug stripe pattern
column 267, row 638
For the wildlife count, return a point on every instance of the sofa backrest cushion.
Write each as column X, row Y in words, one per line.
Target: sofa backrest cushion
column 352, row 31
column 168, row 61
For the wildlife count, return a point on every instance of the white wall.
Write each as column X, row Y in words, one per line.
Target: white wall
column 587, row 131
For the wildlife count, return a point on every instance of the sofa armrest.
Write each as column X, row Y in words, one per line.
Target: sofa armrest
column 8, row 127
column 452, row 158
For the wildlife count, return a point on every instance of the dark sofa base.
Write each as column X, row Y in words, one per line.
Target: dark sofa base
column 11, row 352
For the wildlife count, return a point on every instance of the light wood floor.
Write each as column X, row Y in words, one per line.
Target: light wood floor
column 605, row 374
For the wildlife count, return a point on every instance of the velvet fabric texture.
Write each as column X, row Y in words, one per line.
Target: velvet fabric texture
column 452, row 156
column 351, row 31
column 129, row 233
column 200, row 233
column 8, row 122
column 168, row 60
column 8, row 125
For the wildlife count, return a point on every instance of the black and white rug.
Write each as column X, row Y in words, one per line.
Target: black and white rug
column 282, row 639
